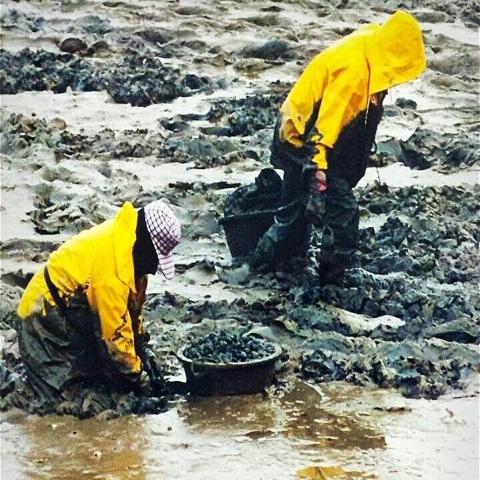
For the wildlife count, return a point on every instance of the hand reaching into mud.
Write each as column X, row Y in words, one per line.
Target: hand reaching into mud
column 153, row 369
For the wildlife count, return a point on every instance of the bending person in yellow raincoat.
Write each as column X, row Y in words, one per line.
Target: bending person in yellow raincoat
column 80, row 315
column 324, row 134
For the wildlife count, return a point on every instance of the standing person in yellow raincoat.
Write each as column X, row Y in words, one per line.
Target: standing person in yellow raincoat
column 324, row 134
column 80, row 315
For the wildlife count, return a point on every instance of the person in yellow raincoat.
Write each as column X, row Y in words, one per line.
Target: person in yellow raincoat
column 324, row 134
column 80, row 315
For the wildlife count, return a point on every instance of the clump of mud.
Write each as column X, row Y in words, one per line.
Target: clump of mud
column 273, row 50
column 245, row 116
column 428, row 149
column 143, row 80
column 16, row 392
column 12, row 18
column 41, row 70
column 139, row 79
column 226, row 347
column 414, row 281
column 418, row 267
column 84, row 402
column 206, row 151
column 421, row 262
column 19, row 133
column 421, row 369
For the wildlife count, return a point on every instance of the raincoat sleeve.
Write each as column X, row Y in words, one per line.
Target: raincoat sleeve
column 116, row 327
column 301, row 106
column 343, row 97
column 320, row 158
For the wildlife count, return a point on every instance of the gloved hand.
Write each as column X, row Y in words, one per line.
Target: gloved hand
column 315, row 198
column 153, row 369
column 321, row 180
column 143, row 380
column 138, row 382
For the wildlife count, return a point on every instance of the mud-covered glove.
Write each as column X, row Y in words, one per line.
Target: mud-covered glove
column 152, row 367
column 315, row 197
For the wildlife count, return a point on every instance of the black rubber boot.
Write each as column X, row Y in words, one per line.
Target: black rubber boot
column 332, row 270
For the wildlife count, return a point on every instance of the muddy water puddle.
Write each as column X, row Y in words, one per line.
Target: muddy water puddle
column 341, row 428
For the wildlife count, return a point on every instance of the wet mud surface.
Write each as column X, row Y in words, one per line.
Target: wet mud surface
column 103, row 103
column 337, row 428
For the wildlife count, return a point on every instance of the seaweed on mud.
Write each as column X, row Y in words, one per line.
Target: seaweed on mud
column 272, row 50
column 245, row 116
column 94, row 24
column 143, row 80
column 424, row 369
column 139, row 79
column 20, row 133
column 421, row 261
column 206, row 151
column 428, row 149
column 41, row 70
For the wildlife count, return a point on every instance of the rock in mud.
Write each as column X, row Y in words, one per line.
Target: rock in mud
column 98, row 48
column 271, row 50
column 72, row 45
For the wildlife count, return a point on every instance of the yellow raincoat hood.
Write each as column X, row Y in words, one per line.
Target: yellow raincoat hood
column 336, row 85
column 395, row 52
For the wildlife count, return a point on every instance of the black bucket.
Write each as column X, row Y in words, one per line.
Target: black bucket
column 207, row 379
column 243, row 231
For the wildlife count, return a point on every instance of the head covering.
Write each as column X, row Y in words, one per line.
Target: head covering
column 395, row 52
column 165, row 232
column 341, row 78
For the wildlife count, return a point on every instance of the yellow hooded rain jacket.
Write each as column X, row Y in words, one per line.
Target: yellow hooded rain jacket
column 339, row 80
column 100, row 262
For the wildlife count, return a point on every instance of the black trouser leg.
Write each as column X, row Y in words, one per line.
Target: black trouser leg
column 340, row 235
column 64, row 353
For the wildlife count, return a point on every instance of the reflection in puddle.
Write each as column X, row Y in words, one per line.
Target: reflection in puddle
column 296, row 414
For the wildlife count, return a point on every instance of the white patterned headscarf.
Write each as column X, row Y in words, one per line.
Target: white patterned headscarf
column 165, row 232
